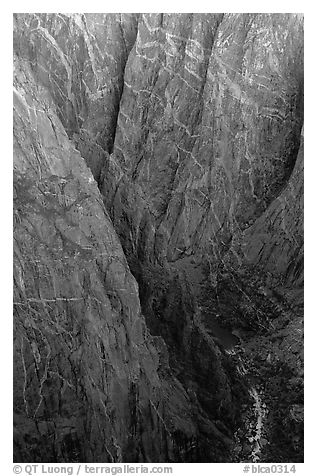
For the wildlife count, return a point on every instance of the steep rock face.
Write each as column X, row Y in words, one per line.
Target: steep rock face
column 190, row 124
column 203, row 113
column 89, row 380
column 81, row 60
column 211, row 118
column 275, row 242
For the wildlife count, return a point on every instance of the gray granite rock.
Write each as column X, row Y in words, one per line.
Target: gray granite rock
column 148, row 146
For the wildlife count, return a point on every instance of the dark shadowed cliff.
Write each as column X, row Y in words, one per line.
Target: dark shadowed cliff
column 158, row 242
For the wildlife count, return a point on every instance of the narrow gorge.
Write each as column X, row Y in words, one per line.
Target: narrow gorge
column 158, row 237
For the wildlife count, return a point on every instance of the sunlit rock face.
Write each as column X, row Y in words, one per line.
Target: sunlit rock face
column 141, row 140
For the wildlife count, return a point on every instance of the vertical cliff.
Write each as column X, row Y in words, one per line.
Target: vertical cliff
column 90, row 382
column 158, row 189
column 201, row 114
column 209, row 129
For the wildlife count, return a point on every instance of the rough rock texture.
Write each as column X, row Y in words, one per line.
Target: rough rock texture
column 90, row 382
column 203, row 113
column 81, row 60
column 211, row 119
column 283, row 255
column 191, row 127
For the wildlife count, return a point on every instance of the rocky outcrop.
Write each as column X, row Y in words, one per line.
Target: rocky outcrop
column 190, row 125
column 275, row 242
column 210, row 126
column 81, row 61
column 90, row 382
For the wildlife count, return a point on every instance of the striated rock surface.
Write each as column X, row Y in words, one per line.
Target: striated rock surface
column 191, row 126
column 202, row 112
column 81, row 60
column 211, row 118
column 275, row 241
column 90, row 382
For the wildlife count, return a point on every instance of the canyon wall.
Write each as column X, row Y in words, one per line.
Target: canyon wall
column 143, row 140
column 201, row 114
column 90, row 382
